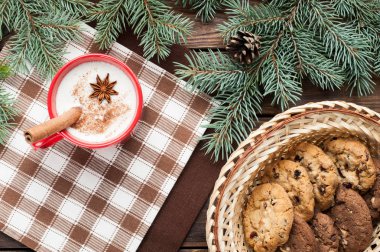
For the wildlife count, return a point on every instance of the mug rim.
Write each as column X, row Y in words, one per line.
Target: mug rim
column 88, row 58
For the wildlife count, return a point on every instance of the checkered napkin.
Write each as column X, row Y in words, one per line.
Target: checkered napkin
column 66, row 198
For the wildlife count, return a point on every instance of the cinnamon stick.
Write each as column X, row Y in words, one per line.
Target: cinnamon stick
column 52, row 126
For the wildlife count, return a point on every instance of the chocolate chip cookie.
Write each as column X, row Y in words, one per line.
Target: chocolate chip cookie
column 301, row 237
column 326, row 233
column 354, row 163
column 294, row 179
column 352, row 217
column 372, row 197
column 268, row 217
column 322, row 172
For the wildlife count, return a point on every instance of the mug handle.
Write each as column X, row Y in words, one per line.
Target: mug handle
column 47, row 142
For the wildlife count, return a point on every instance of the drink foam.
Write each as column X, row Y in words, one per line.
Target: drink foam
column 75, row 89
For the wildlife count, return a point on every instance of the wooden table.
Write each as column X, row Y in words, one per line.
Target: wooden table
column 206, row 36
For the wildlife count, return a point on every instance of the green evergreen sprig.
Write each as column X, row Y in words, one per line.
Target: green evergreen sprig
column 153, row 21
column 7, row 110
column 42, row 29
column 78, row 8
column 235, row 92
column 328, row 42
column 206, row 9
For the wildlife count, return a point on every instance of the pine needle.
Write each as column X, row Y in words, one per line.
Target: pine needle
column 206, row 9
column 7, row 110
column 235, row 91
column 331, row 43
column 42, row 30
column 154, row 22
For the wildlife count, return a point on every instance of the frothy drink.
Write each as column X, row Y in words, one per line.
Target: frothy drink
column 100, row 121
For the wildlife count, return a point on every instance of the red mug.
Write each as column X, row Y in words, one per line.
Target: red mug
column 64, row 134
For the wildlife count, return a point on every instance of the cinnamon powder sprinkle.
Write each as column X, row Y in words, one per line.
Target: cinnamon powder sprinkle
column 96, row 118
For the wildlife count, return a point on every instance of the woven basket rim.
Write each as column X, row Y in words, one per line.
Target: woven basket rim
column 280, row 120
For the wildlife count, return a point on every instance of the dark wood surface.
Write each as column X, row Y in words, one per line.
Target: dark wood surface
column 206, row 36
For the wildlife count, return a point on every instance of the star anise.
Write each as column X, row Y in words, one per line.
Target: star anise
column 103, row 89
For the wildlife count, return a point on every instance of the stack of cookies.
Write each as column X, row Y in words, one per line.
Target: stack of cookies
column 316, row 200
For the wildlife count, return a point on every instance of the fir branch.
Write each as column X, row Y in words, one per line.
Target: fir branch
column 20, row 44
column 235, row 91
column 354, row 10
column 234, row 117
column 153, row 21
column 210, row 71
column 79, row 8
column 6, row 9
column 285, row 6
column 258, row 19
column 322, row 71
column 329, row 42
column 278, row 75
column 41, row 31
column 164, row 27
column 206, row 9
column 59, row 26
column 7, row 114
column 111, row 18
column 376, row 64
column 7, row 110
column 346, row 46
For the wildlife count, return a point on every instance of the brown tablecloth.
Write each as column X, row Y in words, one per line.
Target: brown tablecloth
column 188, row 199
column 193, row 187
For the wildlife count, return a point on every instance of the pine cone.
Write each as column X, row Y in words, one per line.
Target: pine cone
column 244, row 46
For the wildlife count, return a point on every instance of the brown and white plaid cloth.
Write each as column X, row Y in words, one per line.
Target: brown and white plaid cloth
column 66, row 198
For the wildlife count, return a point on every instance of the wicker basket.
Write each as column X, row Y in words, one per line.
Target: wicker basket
column 313, row 122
